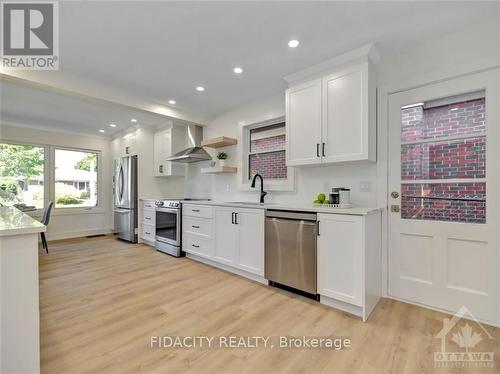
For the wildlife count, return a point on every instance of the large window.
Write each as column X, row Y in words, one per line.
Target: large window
column 33, row 175
column 22, row 175
column 443, row 160
column 75, row 178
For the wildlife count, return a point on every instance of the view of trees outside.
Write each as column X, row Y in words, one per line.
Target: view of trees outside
column 75, row 178
column 21, row 175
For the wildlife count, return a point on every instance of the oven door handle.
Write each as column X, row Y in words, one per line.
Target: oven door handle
column 167, row 210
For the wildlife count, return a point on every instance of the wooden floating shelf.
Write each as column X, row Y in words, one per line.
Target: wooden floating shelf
column 221, row 141
column 219, row 170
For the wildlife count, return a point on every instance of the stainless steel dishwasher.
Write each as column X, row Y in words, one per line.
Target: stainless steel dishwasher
column 290, row 249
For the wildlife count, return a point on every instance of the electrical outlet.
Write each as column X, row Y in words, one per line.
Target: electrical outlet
column 365, row 186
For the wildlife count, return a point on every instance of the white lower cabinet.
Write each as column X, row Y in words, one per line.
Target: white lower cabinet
column 236, row 242
column 226, row 235
column 239, row 238
column 349, row 262
column 250, row 257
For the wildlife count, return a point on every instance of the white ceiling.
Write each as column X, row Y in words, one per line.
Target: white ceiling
column 156, row 51
column 39, row 107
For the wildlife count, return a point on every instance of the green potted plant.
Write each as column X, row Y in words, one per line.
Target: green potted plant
column 221, row 157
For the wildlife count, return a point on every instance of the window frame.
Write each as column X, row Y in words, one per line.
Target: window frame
column 446, row 139
column 72, row 210
column 287, row 184
column 49, row 179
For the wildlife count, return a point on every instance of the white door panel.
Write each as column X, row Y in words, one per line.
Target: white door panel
column 435, row 258
column 344, row 125
column 303, row 118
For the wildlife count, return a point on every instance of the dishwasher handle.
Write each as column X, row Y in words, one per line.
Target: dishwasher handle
column 291, row 215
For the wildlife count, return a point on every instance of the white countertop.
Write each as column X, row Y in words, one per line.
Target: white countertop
column 15, row 222
column 355, row 210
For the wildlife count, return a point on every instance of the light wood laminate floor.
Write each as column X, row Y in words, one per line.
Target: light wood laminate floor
column 102, row 299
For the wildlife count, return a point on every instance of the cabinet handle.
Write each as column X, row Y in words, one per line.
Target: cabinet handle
column 147, row 233
column 161, row 169
column 317, row 224
column 195, row 227
column 195, row 210
column 232, row 218
column 317, row 149
column 127, row 151
column 323, row 150
column 236, row 218
column 196, row 246
column 148, row 218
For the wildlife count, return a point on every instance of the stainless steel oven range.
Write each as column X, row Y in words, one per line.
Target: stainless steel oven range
column 168, row 227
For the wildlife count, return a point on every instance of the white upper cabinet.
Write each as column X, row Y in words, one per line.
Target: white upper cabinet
column 303, row 118
column 166, row 143
column 332, row 117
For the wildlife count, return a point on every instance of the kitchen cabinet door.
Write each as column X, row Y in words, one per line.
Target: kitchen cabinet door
column 226, row 236
column 340, row 257
column 250, row 224
column 346, row 117
column 303, row 123
column 166, row 143
column 129, row 145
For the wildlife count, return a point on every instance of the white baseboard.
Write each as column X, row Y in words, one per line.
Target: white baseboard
column 77, row 233
column 227, row 268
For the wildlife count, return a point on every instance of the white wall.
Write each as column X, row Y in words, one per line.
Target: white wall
column 149, row 186
column 309, row 181
column 460, row 52
column 64, row 225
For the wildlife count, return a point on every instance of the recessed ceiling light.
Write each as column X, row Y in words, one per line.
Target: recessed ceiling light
column 200, row 88
column 293, row 43
column 101, row 130
column 171, row 102
column 133, row 120
column 111, row 125
column 238, row 70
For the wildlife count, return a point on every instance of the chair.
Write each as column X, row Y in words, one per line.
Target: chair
column 45, row 220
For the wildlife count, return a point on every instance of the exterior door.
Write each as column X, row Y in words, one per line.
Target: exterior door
column 303, row 118
column 443, row 195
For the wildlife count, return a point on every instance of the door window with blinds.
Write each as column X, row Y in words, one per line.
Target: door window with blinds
column 443, row 159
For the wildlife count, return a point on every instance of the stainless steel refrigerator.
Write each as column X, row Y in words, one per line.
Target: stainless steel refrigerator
column 125, row 198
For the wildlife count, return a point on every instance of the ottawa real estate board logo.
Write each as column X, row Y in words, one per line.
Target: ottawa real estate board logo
column 30, row 35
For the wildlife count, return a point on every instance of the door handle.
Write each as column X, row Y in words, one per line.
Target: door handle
column 394, row 194
column 317, row 149
column 323, row 150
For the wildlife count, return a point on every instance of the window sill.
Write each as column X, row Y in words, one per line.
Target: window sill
column 66, row 212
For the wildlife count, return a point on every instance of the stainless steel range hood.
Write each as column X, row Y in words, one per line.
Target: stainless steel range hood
column 194, row 152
